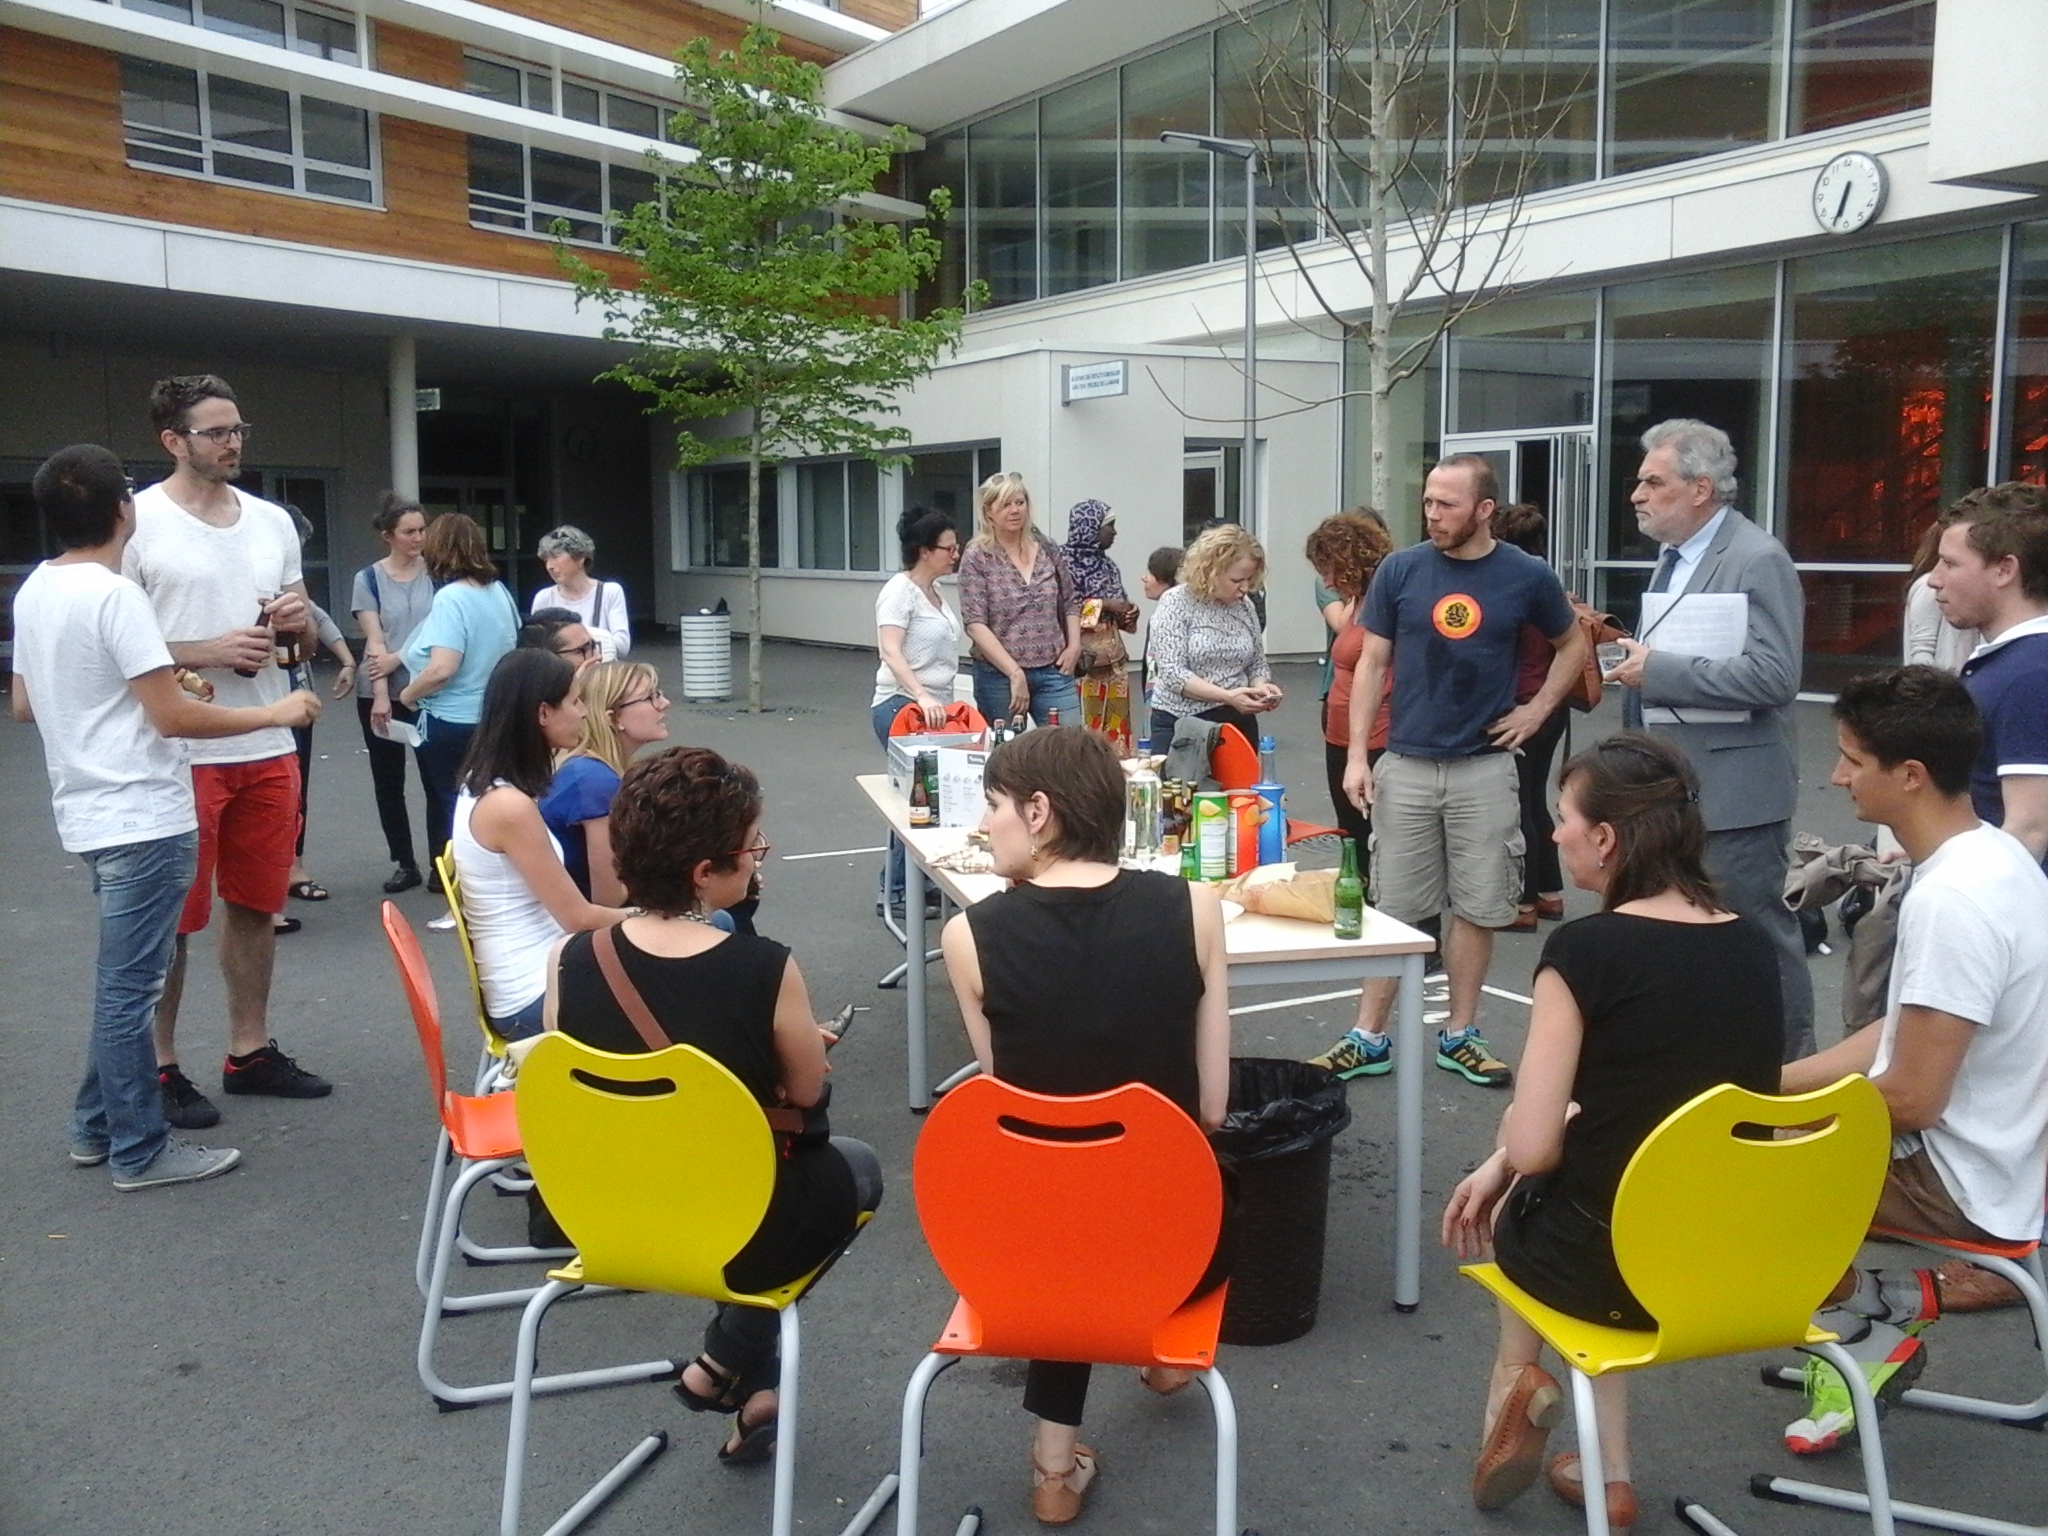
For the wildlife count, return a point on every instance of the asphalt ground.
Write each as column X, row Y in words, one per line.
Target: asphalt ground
column 237, row 1356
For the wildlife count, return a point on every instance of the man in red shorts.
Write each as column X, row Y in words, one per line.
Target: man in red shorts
column 222, row 571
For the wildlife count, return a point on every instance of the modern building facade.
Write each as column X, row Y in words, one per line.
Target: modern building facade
column 1818, row 223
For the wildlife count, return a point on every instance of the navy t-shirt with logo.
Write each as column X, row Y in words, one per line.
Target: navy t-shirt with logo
column 2009, row 681
column 1456, row 627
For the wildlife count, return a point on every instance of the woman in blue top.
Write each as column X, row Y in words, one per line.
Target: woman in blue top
column 625, row 710
column 472, row 623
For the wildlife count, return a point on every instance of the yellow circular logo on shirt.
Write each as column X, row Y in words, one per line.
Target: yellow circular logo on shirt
column 1455, row 615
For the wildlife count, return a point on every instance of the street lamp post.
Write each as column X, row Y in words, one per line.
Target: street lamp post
column 1248, row 152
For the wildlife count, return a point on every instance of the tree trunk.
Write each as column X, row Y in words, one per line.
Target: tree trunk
column 754, row 569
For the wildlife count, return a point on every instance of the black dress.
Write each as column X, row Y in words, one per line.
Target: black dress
column 1084, row 991
column 722, row 1001
column 1671, row 1010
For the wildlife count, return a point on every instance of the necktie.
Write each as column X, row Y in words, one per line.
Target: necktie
column 1632, row 699
column 1661, row 582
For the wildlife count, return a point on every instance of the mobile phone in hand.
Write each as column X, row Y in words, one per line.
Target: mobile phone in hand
column 842, row 1022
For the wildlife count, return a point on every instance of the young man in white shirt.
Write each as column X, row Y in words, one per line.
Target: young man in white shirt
column 89, row 657
column 222, row 571
column 1961, row 1055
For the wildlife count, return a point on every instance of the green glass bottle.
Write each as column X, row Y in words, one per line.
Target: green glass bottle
column 1190, row 860
column 1350, row 923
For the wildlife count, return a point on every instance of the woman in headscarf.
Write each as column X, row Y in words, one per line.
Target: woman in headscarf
column 1107, row 614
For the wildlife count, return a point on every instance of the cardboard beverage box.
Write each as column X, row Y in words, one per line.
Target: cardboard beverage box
column 903, row 752
column 961, row 800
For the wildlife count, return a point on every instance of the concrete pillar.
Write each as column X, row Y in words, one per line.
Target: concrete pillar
column 403, row 379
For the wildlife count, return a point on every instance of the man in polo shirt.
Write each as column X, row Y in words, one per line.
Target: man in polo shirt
column 1445, row 800
column 1992, row 575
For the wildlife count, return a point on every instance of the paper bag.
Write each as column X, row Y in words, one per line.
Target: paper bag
column 1278, row 890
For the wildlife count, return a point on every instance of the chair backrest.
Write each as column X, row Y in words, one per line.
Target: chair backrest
column 418, row 982
column 659, row 1166
column 1068, row 1248
column 1233, row 761
column 451, row 885
column 960, row 717
column 1731, row 1241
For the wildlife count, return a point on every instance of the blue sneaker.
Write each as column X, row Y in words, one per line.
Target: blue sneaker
column 1357, row 1055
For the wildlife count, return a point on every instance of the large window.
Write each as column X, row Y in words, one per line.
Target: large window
column 539, row 88
column 1260, row 77
column 2026, row 368
column 1524, row 363
column 1004, row 173
column 838, row 515
column 1528, row 76
column 514, row 187
column 717, row 502
column 308, row 29
column 195, row 124
column 1078, row 137
column 1858, row 59
column 1166, row 186
column 1688, row 78
column 945, row 480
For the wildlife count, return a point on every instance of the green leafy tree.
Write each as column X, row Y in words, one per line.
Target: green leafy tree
column 764, row 305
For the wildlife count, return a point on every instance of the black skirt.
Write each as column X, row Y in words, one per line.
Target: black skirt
column 1557, row 1251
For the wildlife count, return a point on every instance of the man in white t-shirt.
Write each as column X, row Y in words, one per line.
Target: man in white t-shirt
column 1961, row 1055
column 91, row 670
column 222, row 571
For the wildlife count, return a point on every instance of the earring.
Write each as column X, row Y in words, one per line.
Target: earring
column 1034, row 850
column 1601, row 862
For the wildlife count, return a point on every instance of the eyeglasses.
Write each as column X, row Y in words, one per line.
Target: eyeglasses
column 587, row 648
column 220, row 437
column 760, row 851
column 656, row 698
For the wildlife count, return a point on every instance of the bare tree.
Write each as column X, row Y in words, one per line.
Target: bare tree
column 1409, row 134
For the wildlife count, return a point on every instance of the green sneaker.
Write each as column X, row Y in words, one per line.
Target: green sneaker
column 1357, row 1056
column 1892, row 1359
column 1468, row 1054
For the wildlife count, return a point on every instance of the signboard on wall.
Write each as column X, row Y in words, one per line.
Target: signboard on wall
column 1093, row 381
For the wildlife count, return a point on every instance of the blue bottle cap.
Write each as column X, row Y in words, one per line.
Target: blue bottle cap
column 1266, row 743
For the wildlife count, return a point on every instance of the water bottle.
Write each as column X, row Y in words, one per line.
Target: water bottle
column 1268, row 753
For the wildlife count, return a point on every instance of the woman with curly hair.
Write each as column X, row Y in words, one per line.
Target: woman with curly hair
column 1345, row 550
column 624, row 710
column 1206, row 646
column 686, row 835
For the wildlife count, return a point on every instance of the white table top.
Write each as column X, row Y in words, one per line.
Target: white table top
column 1250, row 939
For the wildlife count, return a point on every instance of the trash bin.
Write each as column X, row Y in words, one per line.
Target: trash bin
column 1275, row 1143
column 707, row 655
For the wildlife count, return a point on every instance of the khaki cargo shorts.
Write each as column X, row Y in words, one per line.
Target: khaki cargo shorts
column 1447, row 832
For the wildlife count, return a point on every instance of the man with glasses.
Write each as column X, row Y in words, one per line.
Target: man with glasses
column 221, row 568
column 563, row 632
column 1731, row 716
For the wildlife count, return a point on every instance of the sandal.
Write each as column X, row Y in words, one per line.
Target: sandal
column 1513, row 1452
column 307, row 890
column 1568, row 1481
column 720, row 1400
column 1057, row 1497
column 752, row 1443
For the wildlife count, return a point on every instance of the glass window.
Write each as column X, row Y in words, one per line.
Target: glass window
column 1166, row 186
column 497, row 183
column 1858, row 59
column 1528, row 95
column 260, row 21
column 324, row 36
column 1887, row 386
column 1420, row 112
column 945, row 480
column 1689, row 77
column 1524, row 363
column 564, row 186
column 582, row 102
column 1079, row 129
column 630, row 116
column 821, row 516
column 1268, row 90
column 1415, row 410
column 863, row 516
column 2026, row 370
column 251, row 116
column 1003, row 172
column 335, row 133
column 491, row 80
column 629, row 189
column 718, row 517
column 203, row 125
column 160, row 115
column 943, row 163
column 511, row 187
column 169, row 10
column 1696, row 346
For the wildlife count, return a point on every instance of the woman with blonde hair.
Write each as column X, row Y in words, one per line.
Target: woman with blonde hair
column 625, row 710
column 1206, row 646
column 1022, row 610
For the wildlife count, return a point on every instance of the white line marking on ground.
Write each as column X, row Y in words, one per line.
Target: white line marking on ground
column 1513, row 997
column 830, row 853
column 1331, row 997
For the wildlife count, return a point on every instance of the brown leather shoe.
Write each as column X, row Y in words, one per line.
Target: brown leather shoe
column 1550, row 908
column 1057, row 1497
column 1513, row 1452
column 1963, row 1287
column 1525, row 921
column 1568, row 1482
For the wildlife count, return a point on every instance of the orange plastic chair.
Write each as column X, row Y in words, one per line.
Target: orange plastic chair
column 1073, row 1229
column 483, row 1133
column 960, row 717
column 1234, row 764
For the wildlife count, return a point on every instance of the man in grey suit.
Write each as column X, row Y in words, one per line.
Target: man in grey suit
column 1744, row 756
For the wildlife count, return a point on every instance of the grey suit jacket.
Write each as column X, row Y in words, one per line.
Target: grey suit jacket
column 1748, row 770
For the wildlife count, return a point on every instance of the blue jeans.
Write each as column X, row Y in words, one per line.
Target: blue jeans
column 141, row 889
column 1050, row 689
column 884, row 715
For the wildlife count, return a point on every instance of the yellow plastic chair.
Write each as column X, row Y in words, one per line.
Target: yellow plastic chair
column 659, row 1166
column 1731, row 1243
column 494, row 1043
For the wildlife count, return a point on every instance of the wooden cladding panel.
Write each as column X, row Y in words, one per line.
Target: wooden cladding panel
column 60, row 142
column 659, row 27
column 893, row 14
column 418, row 55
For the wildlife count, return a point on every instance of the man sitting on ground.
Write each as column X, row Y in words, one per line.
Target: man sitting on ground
column 1961, row 1055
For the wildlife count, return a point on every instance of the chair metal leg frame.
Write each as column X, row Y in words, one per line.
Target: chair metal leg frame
column 953, row 1080
column 2029, row 1281
column 439, row 1304
column 430, row 1218
column 910, row 1449
column 787, row 1401
column 472, row 1251
column 1876, row 1500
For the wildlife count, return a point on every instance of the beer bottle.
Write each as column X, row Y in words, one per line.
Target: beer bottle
column 1350, row 893
column 929, row 762
column 922, row 812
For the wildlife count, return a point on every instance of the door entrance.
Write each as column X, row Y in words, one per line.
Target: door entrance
column 487, row 499
column 1554, row 470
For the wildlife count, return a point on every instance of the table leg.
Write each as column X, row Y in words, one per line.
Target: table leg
column 1411, row 1058
column 914, row 985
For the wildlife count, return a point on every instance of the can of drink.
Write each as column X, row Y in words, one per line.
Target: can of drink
column 1212, row 833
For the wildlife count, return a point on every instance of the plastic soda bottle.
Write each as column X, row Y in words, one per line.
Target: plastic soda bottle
column 1350, row 923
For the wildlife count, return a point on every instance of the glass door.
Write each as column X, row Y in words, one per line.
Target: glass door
column 488, row 500
column 1554, row 470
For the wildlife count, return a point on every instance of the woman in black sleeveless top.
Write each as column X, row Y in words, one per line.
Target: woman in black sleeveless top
column 1079, row 979
column 1638, row 1010
column 686, row 835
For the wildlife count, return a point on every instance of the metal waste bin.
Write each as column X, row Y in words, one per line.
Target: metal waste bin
column 707, row 655
column 1275, row 1148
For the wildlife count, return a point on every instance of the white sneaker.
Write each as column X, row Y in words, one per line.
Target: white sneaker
column 445, row 923
column 180, row 1162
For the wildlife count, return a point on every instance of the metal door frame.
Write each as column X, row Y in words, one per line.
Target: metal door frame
column 1569, row 503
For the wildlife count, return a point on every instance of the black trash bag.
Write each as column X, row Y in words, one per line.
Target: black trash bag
column 1278, row 1107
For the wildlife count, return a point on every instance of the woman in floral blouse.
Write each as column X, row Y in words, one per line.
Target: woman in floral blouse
column 1022, row 611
